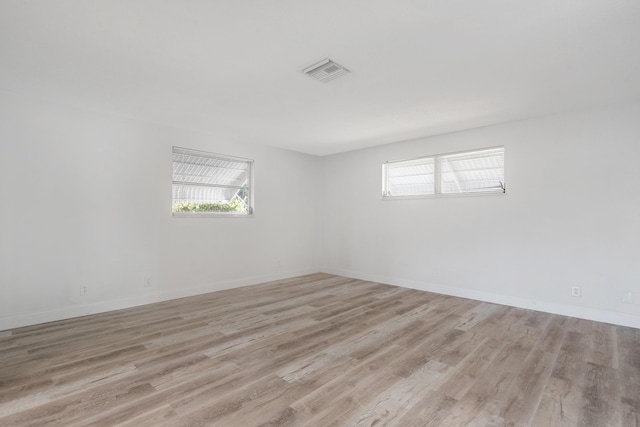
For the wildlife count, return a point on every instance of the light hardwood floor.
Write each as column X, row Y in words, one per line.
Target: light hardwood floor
column 321, row 350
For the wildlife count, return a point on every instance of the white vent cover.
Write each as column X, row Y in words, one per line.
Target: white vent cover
column 325, row 70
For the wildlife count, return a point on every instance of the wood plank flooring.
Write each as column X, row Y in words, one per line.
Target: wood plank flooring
column 321, row 350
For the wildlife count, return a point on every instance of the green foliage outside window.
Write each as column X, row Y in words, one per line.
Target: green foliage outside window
column 234, row 205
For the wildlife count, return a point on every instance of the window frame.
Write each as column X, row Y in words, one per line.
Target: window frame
column 437, row 175
column 207, row 154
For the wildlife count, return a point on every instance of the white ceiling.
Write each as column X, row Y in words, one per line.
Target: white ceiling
column 231, row 68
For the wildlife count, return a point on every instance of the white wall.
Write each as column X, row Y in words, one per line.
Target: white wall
column 571, row 217
column 86, row 199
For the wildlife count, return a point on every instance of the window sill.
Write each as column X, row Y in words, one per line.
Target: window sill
column 209, row 215
column 442, row 196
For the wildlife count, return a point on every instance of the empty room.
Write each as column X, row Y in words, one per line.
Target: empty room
column 294, row 213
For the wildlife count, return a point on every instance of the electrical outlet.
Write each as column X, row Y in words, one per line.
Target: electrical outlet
column 148, row 282
column 84, row 289
column 627, row 297
column 576, row 291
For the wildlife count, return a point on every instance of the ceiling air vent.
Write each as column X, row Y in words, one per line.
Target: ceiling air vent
column 325, row 70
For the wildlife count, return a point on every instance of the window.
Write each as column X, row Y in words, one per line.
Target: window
column 210, row 184
column 477, row 171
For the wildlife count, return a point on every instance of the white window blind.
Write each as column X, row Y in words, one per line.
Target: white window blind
column 207, row 183
column 410, row 177
column 477, row 171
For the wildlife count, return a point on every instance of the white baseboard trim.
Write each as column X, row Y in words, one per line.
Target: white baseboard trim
column 16, row 321
column 587, row 313
column 68, row 312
